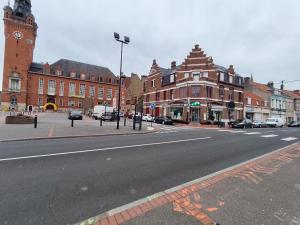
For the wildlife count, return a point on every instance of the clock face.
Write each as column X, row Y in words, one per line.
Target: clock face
column 18, row 35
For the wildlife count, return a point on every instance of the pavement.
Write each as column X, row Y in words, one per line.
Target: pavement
column 56, row 125
column 65, row 181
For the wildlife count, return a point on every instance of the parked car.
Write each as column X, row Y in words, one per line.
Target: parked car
column 294, row 124
column 109, row 116
column 148, row 118
column 259, row 124
column 164, row 120
column 99, row 110
column 242, row 123
column 75, row 115
column 275, row 122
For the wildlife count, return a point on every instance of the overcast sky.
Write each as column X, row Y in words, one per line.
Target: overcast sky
column 258, row 37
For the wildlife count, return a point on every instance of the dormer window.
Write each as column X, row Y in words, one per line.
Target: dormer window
column 58, row 72
column 101, row 79
column 82, row 76
column 73, row 74
column 230, row 79
column 222, row 76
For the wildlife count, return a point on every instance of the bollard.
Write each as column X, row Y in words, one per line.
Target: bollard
column 140, row 125
column 100, row 122
column 124, row 122
column 35, row 121
column 72, row 123
column 134, row 122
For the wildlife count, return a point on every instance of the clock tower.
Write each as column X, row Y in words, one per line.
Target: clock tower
column 20, row 31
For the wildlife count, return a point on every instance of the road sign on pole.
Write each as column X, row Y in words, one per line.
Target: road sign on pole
column 152, row 106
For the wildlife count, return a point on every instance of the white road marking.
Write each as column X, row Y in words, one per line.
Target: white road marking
column 269, row 136
column 289, row 139
column 253, row 133
column 103, row 149
column 224, row 130
column 237, row 131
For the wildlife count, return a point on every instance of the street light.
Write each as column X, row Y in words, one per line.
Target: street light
column 125, row 41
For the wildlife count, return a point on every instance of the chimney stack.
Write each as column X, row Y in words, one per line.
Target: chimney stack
column 282, row 86
column 270, row 84
column 173, row 65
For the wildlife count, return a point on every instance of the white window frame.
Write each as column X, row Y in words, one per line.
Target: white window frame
column 196, row 75
column 153, row 83
column 82, row 90
column 222, row 76
column 17, row 87
column 51, row 87
column 101, row 93
column 92, row 91
column 72, row 89
column 61, row 88
column 41, row 86
column 230, row 79
column 172, row 78
column 109, row 94
column 186, row 75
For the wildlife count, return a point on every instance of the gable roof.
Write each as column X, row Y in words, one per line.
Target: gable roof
column 253, row 96
column 262, row 87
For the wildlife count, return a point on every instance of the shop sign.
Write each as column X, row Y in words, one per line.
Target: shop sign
column 195, row 104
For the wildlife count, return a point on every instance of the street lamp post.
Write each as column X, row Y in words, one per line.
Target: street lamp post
column 125, row 41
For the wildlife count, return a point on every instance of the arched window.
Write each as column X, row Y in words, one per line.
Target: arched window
column 13, row 100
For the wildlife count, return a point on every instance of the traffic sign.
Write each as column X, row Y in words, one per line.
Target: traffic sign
column 195, row 104
column 152, row 106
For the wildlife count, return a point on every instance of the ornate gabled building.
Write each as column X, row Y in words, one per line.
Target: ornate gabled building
column 195, row 91
column 63, row 85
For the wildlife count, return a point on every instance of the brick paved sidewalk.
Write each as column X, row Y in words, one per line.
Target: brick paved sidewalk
column 262, row 191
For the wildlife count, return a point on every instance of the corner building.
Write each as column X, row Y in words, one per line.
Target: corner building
column 196, row 91
column 63, row 85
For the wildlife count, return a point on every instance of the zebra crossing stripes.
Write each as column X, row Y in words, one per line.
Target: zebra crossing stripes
column 289, row 139
column 252, row 133
column 269, row 136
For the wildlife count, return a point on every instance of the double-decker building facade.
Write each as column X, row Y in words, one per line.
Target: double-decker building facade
column 62, row 85
column 196, row 91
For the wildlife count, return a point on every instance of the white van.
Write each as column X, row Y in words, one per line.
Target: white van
column 275, row 122
column 99, row 110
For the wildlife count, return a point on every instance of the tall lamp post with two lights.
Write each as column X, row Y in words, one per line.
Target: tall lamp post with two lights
column 125, row 41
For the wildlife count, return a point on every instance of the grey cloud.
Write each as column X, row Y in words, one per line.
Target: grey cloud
column 259, row 37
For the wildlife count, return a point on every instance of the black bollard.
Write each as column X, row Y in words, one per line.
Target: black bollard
column 72, row 123
column 124, row 122
column 35, row 121
column 100, row 122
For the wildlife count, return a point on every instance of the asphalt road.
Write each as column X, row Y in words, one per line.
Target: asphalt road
column 65, row 181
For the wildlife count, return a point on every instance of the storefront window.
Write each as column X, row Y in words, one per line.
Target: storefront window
column 177, row 113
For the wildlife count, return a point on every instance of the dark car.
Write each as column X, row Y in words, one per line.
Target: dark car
column 164, row 120
column 294, row 124
column 243, row 123
column 75, row 115
column 109, row 116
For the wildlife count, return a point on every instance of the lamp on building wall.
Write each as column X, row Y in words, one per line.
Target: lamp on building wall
column 125, row 41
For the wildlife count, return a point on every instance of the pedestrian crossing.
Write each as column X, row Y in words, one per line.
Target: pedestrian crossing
column 265, row 135
column 170, row 129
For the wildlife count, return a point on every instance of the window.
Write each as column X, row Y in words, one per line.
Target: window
column 231, row 94
column 196, row 76
column 182, row 92
column 61, row 88
column 157, row 96
column 186, row 75
column 51, row 87
column 172, row 78
column 195, row 91
column 82, row 76
column 40, row 101
column 101, row 79
column 265, row 103
column 100, row 92
column 73, row 74
column 230, row 79
column 209, row 91
column 80, row 104
column 205, row 74
column 13, row 101
column 58, row 72
column 249, row 101
column 41, row 86
column 61, row 102
column 240, row 97
column 221, row 92
column 117, row 93
column 147, row 98
column 221, row 76
column 72, row 89
column 14, row 84
column 71, row 103
column 172, row 94
column 109, row 94
column 92, row 91
column 153, row 83
column 165, row 95
column 82, row 90
column 257, row 102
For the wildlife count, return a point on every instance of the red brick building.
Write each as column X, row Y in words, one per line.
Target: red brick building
column 195, row 91
column 63, row 85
